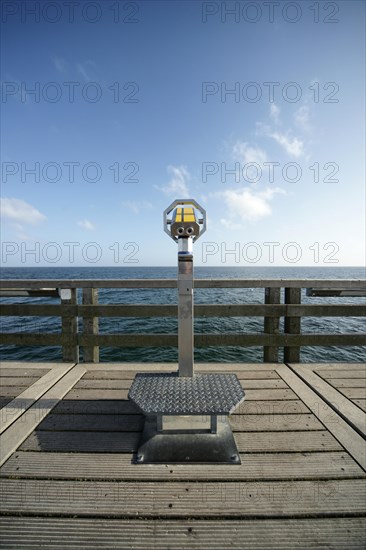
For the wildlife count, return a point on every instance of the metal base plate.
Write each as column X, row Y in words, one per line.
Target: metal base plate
column 174, row 447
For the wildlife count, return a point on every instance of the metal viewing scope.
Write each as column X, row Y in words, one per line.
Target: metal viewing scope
column 185, row 223
column 186, row 412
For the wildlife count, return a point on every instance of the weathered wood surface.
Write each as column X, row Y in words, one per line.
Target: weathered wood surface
column 339, row 426
column 169, row 310
column 16, row 432
column 70, row 339
column 336, row 396
column 264, row 466
column 60, row 533
column 184, row 499
column 71, row 476
column 172, row 283
column 116, row 384
column 292, row 323
column 33, row 391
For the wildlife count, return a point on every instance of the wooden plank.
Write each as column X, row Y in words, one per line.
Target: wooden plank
column 33, row 339
column 99, row 406
column 69, row 330
column 27, row 365
column 4, row 401
column 24, row 400
column 219, row 339
column 250, row 395
column 281, row 422
column 354, row 393
column 348, row 383
column 125, row 384
column 41, row 292
column 120, row 406
column 334, row 398
column 349, row 374
column 360, row 403
column 94, row 533
column 86, row 283
column 118, row 465
column 119, row 423
column 341, row 430
column 335, row 366
column 47, row 442
column 184, row 499
column 17, row 381
column 336, row 292
column 271, row 324
column 90, row 325
column 71, row 339
column 22, row 462
column 93, row 422
column 17, row 432
column 12, row 391
column 215, row 310
column 130, row 375
column 22, row 373
column 292, row 324
column 37, row 310
column 272, row 407
column 173, row 367
column 169, row 310
column 349, row 284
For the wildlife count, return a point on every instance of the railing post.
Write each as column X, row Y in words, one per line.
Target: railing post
column 91, row 325
column 292, row 325
column 271, row 324
column 69, row 330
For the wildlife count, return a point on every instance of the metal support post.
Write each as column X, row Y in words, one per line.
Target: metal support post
column 185, row 307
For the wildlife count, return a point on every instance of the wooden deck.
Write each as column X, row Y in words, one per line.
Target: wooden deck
column 68, row 434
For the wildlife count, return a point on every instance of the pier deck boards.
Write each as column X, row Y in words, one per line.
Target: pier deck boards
column 67, row 477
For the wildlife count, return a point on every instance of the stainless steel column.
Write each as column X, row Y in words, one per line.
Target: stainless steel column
column 185, row 306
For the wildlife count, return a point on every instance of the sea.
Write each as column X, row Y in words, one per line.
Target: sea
column 220, row 325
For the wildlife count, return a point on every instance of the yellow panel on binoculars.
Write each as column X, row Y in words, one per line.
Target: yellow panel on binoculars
column 184, row 215
column 184, row 222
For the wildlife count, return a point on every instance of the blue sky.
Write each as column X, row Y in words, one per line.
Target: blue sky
column 279, row 167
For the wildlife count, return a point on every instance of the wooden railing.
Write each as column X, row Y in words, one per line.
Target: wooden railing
column 291, row 339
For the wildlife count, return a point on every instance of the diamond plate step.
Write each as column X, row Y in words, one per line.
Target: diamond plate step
column 168, row 393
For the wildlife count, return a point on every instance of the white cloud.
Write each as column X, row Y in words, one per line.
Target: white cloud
column 229, row 224
column 293, row 146
column 60, row 64
column 275, row 113
column 177, row 184
column 82, row 70
column 302, row 117
column 137, row 206
column 20, row 212
column 246, row 204
column 244, row 153
column 86, row 224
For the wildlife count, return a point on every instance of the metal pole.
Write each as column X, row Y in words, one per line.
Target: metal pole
column 185, row 306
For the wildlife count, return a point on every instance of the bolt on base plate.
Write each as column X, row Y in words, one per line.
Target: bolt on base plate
column 178, row 447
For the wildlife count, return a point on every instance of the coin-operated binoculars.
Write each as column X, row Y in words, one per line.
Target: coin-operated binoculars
column 187, row 224
column 186, row 413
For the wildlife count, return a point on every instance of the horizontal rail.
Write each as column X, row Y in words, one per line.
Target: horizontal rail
column 274, row 336
column 168, row 310
column 172, row 283
column 201, row 340
column 336, row 292
column 29, row 293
